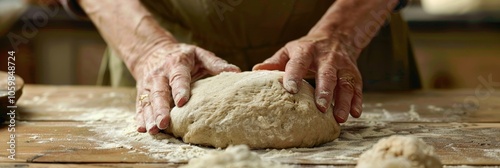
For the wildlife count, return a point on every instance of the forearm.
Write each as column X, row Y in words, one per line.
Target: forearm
column 356, row 21
column 126, row 26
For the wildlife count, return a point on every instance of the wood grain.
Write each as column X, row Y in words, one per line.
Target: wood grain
column 67, row 102
column 68, row 142
column 50, row 129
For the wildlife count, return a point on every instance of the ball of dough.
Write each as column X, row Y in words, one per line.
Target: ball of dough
column 400, row 151
column 252, row 108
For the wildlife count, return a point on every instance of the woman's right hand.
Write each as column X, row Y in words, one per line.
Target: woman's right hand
column 164, row 76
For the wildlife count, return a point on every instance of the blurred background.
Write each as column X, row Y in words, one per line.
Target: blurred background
column 455, row 43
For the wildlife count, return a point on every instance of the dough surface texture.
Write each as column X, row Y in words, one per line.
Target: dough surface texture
column 400, row 152
column 252, row 108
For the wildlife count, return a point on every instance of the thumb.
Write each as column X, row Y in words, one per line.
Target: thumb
column 276, row 62
column 213, row 64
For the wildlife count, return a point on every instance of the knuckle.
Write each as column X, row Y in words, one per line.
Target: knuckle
column 181, row 59
column 328, row 75
column 159, row 107
column 299, row 63
column 346, row 61
column 178, row 76
column 343, row 105
column 160, row 94
column 347, row 87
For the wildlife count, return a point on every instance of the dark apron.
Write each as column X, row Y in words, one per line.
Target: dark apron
column 247, row 32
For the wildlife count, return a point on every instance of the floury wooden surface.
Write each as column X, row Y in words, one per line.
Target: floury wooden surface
column 58, row 125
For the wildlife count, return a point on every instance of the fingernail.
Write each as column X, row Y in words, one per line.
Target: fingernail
column 141, row 129
column 158, row 122
column 342, row 114
column 357, row 111
column 256, row 67
column 322, row 103
column 291, row 86
column 231, row 67
column 179, row 96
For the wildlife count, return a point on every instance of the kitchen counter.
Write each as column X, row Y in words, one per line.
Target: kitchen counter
column 87, row 126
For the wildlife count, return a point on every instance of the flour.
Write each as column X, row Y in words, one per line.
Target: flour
column 414, row 116
column 492, row 153
column 273, row 153
column 382, row 113
column 348, row 135
column 101, row 114
column 115, row 129
column 434, row 108
column 234, row 156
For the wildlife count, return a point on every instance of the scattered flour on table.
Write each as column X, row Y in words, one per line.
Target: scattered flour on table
column 466, row 166
column 492, row 153
column 118, row 131
column 99, row 114
column 114, row 128
column 367, row 132
column 234, row 156
column 434, row 108
column 412, row 114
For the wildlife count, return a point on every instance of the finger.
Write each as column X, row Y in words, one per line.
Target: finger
column 326, row 80
column 160, row 101
column 213, row 64
column 357, row 100
column 150, row 120
column 139, row 118
column 276, row 62
column 357, row 103
column 180, row 79
column 296, row 68
column 344, row 92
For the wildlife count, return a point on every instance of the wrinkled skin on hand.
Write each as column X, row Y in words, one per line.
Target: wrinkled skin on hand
column 338, row 79
column 164, row 75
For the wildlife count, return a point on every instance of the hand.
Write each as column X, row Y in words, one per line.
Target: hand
column 162, row 67
column 337, row 76
column 165, row 73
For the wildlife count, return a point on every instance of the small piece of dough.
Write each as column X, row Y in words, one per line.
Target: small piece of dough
column 252, row 108
column 400, row 152
column 233, row 156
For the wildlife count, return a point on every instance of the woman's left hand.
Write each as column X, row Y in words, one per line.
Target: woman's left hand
column 333, row 61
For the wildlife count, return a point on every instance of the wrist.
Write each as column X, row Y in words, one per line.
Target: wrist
column 148, row 37
column 355, row 21
column 337, row 41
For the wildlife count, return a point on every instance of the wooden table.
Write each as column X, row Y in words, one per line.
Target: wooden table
column 55, row 127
